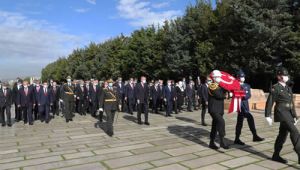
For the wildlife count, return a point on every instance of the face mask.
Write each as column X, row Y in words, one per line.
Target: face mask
column 169, row 84
column 69, row 80
column 45, row 86
column 81, row 85
column 110, row 84
column 4, row 87
column 25, row 86
column 242, row 79
column 218, row 79
column 209, row 81
column 95, row 84
column 143, row 81
column 285, row 78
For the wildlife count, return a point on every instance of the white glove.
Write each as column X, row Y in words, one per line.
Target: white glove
column 165, row 99
column 269, row 120
column 61, row 100
column 230, row 94
column 296, row 121
column 101, row 109
column 138, row 101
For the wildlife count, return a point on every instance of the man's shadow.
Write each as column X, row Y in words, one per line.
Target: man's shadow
column 102, row 125
column 196, row 134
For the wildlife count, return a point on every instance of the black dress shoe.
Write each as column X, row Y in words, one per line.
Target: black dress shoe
column 3, row 125
column 140, row 123
column 212, row 145
column 71, row 120
column 67, row 120
column 279, row 159
column 224, row 146
column 30, row 123
column 204, row 124
column 47, row 121
column 9, row 125
column 238, row 142
column 147, row 123
column 25, row 123
column 257, row 139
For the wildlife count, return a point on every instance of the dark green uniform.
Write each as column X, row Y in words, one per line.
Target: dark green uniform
column 284, row 113
column 68, row 98
column 109, row 102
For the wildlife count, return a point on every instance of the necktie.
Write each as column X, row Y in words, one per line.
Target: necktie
column 5, row 92
column 143, row 85
column 95, row 88
column 45, row 91
column 26, row 91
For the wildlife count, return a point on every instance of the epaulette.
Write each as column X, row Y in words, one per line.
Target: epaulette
column 213, row 86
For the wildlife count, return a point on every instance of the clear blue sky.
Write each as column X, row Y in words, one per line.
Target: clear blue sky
column 36, row 32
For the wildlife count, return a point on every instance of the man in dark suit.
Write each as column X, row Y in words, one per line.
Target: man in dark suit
column 44, row 102
column 169, row 97
column 26, row 101
column 161, row 102
column 94, row 94
column 190, row 94
column 142, row 96
column 36, row 90
column 121, row 94
column 54, row 90
column 5, row 104
column 284, row 112
column 203, row 94
column 15, row 92
column 130, row 96
column 81, row 94
column 87, row 104
column 155, row 94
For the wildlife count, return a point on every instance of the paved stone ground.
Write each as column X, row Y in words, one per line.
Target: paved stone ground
column 175, row 143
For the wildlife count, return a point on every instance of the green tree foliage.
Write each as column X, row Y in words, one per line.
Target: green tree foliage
column 255, row 35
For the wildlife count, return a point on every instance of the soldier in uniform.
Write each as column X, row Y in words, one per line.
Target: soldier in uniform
column 245, row 113
column 284, row 112
column 68, row 99
column 216, row 96
column 109, row 104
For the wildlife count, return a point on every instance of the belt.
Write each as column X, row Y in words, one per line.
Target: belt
column 285, row 105
column 110, row 100
column 70, row 93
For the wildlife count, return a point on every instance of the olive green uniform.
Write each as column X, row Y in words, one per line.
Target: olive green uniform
column 284, row 113
column 68, row 99
column 109, row 102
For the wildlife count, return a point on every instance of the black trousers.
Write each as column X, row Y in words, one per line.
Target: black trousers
column 142, row 108
column 94, row 107
column 191, row 102
column 36, row 112
column 169, row 107
column 240, row 121
column 285, row 128
column 55, row 108
column 203, row 110
column 44, row 112
column 218, row 125
column 131, row 105
column 81, row 107
column 27, row 114
column 5, row 109
column 18, row 113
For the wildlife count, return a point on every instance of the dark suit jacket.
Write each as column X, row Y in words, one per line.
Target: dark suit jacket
column 55, row 94
column 190, row 92
column 216, row 101
column 36, row 92
column 120, row 89
column 129, row 91
column 43, row 98
column 204, row 93
column 169, row 95
column 142, row 93
column 81, row 94
column 26, row 100
column 5, row 100
column 15, row 92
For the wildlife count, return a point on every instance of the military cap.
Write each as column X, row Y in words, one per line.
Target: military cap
column 109, row 81
column 282, row 72
column 241, row 73
column 69, row 77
